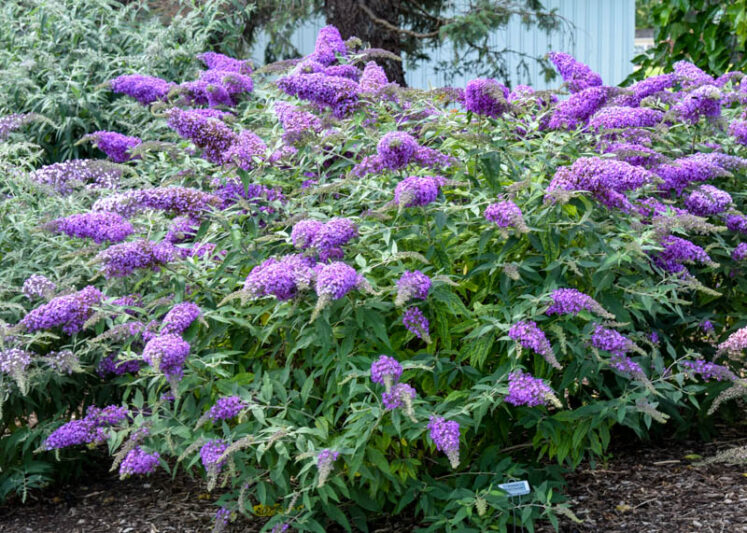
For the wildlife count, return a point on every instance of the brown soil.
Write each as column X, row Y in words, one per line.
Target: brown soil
column 642, row 488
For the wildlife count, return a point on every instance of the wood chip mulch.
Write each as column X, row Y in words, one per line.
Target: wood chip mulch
column 641, row 488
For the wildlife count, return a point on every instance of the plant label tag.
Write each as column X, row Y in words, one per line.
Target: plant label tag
column 516, row 488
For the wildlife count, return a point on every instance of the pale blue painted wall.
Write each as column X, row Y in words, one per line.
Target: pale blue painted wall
column 603, row 38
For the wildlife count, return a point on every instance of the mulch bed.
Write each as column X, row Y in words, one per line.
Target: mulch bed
column 642, row 488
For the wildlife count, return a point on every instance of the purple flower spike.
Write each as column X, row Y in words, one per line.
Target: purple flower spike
column 328, row 45
column 572, row 302
column 68, row 312
column 335, row 280
column 226, row 408
column 524, row 389
column 180, row 317
column 396, row 149
column 210, row 454
column 123, row 259
column 386, row 371
column 138, row 461
column 485, row 96
column 167, row 353
column 416, row 323
column 144, row 89
column 401, row 395
column 445, row 435
column 528, row 335
column 611, row 341
column 735, row 344
column 707, row 200
column 115, row 145
column 506, row 214
column 415, row 191
column 740, row 252
column 100, row 226
column 411, row 285
column 575, row 74
column 708, row 371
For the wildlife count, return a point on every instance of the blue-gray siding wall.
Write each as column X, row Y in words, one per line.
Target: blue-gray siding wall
column 603, row 38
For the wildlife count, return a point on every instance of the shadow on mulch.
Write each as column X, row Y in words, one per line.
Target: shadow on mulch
column 647, row 488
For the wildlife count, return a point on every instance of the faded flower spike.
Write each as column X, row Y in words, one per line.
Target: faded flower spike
column 324, row 462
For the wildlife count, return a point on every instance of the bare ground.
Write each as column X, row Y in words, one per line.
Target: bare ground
column 641, row 488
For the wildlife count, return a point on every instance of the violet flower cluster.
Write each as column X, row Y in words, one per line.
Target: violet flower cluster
column 324, row 239
column 576, row 75
column 524, row 389
column 485, row 96
column 115, row 145
column 231, row 190
column 138, row 462
column 100, row 226
column 14, row 361
column 328, row 46
column 677, row 252
column 396, row 150
column 335, row 280
column 144, row 89
column 334, row 92
column 735, row 344
column 282, row 278
column 531, row 337
column 210, row 454
column 412, row 285
column 180, row 317
column 386, row 371
column 416, row 191
column 707, row 200
column 173, row 200
column 67, row 312
column 614, row 117
column 123, row 259
column 416, row 323
column 575, row 111
column 740, row 252
column 325, row 463
column 572, row 302
column 298, row 124
column 708, row 371
column 88, row 430
column 445, row 435
column 606, row 179
column 167, row 353
column 506, row 214
column 611, row 341
column 226, row 408
column 704, row 101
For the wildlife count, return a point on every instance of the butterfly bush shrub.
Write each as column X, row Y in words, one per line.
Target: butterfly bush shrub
column 424, row 295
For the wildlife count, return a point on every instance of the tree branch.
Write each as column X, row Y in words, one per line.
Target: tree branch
column 388, row 25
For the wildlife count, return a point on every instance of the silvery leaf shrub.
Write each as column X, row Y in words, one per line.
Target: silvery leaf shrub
column 334, row 298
